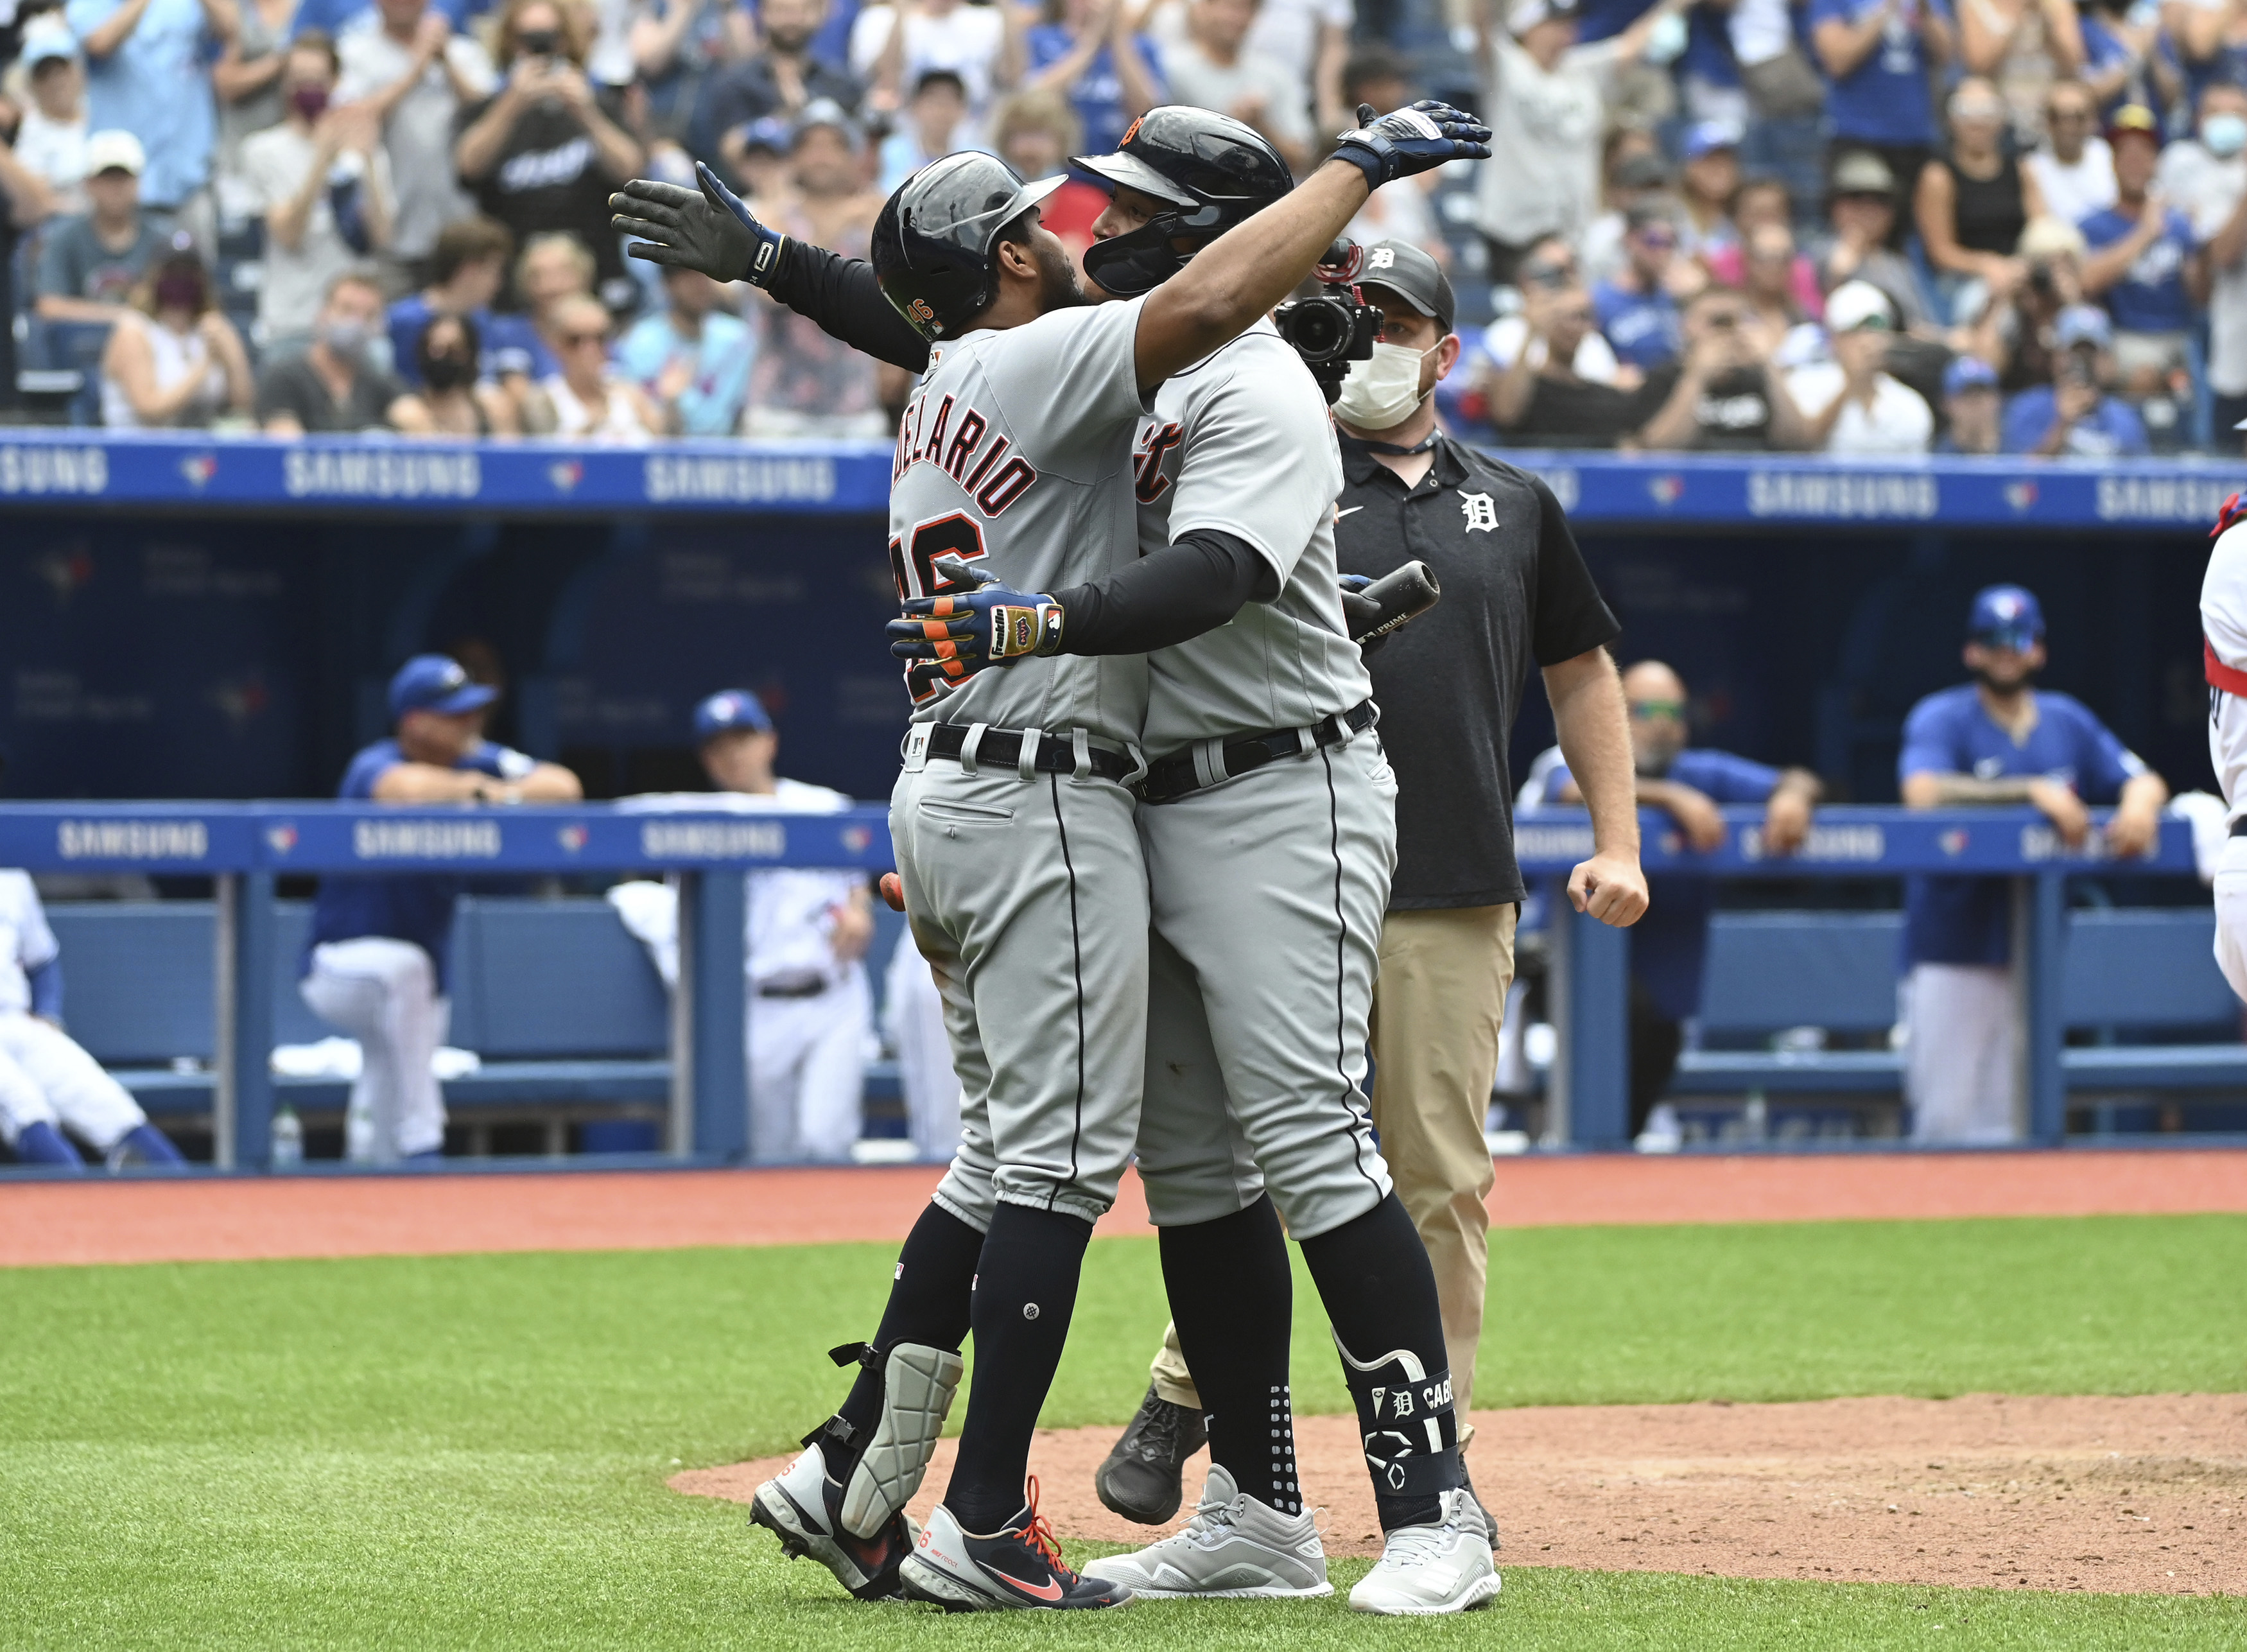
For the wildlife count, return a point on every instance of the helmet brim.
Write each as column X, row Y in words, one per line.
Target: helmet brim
column 1131, row 172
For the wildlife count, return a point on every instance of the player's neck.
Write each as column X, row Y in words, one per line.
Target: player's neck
column 2011, row 709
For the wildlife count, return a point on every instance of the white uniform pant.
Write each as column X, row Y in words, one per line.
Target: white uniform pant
column 807, row 1072
column 913, row 1015
column 2231, row 913
column 46, row 1079
column 384, row 993
column 1962, row 1064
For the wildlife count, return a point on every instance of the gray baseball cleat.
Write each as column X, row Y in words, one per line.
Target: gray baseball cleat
column 1234, row 1548
column 1426, row 1570
column 1143, row 1479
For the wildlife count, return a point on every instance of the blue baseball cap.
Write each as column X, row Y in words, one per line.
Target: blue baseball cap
column 1968, row 373
column 1704, row 136
column 731, row 708
column 437, row 683
column 2006, row 616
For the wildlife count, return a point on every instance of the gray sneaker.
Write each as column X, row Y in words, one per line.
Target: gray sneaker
column 1426, row 1570
column 1234, row 1548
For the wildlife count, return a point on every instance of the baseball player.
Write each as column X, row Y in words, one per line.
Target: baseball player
column 377, row 962
column 810, row 1008
column 2224, row 653
column 48, row 1083
column 1273, row 871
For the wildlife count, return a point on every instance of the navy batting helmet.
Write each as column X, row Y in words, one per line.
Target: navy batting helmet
column 1210, row 170
column 935, row 245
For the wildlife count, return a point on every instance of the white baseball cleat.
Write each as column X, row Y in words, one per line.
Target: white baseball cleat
column 1430, row 1569
column 1234, row 1548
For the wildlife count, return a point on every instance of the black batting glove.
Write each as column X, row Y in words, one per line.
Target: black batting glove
column 1360, row 614
column 713, row 231
column 1406, row 142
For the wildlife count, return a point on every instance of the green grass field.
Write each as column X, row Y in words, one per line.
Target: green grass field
column 471, row 1451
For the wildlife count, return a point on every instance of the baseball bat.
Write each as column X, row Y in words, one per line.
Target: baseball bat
column 1399, row 598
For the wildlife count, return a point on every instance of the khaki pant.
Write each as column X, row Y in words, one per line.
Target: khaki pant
column 1437, row 1006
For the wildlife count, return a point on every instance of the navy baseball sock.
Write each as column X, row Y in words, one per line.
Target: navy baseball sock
column 929, row 1298
column 43, row 1144
column 1233, row 1299
column 1380, row 1295
column 1025, row 1292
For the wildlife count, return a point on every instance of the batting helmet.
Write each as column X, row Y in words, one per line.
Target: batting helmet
column 1212, row 172
column 935, row 245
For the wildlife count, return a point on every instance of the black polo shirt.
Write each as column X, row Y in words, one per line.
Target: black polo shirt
column 1516, row 593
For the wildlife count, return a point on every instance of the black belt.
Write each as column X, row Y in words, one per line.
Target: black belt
column 1057, row 753
column 794, row 986
column 1176, row 777
column 2239, row 827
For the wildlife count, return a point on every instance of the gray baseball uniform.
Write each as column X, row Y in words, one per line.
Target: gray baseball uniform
column 1028, row 889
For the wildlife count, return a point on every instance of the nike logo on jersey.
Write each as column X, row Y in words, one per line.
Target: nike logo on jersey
column 1345, row 510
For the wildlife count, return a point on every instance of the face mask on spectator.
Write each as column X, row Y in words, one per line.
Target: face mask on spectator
column 348, row 340
column 179, row 292
column 2224, row 136
column 447, row 370
column 311, row 102
column 1383, row 391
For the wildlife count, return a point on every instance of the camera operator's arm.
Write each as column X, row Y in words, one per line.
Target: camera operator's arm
column 1511, row 390
column 1675, row 429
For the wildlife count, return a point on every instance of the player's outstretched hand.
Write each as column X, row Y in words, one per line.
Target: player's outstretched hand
column 1611, row 888
column 713, row 231
column 1405, row 142
column 963, row 633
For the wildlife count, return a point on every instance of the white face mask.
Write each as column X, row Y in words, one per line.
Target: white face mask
column 1384, row 392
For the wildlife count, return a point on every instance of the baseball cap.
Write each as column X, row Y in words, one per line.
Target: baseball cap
column 1525, row 15
column 1706, row 137
column 2006, row 616
column 1401, row 268
column 1861, row 173
column 47, row 39
column 731, row 708
column 2134, row 120
column 1968, row 373
column 2083, row 324
column 767, row 132
column 437, row 683
column 1858, row 304
column 115, row 150
column 825, row 112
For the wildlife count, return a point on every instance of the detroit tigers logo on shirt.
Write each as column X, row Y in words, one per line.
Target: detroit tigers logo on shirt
column 1481, row 512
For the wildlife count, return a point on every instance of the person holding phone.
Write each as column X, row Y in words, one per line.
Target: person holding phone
column 1723, row 395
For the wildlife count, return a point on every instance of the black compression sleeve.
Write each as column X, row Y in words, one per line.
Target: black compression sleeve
column 1193, row 585
column 841, row 296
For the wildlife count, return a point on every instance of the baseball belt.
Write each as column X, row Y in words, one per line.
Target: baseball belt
column 1002, row 748
column 1180, row 774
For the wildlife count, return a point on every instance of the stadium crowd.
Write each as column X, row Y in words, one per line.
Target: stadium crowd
column 1847, row 226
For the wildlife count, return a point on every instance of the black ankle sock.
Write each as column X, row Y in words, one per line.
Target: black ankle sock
column 1233, row 1299
column 1380, row 1295
column 929, row 1298
column 1025, row 1292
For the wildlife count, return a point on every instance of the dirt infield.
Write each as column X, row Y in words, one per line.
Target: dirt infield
column 226, row 1219
column 2144, row 1495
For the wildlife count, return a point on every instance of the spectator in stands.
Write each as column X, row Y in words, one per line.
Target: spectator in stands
column 2075, row 415
column 929, row 130
column 1632, row 174
column 692, row 358
column 2017, row 332
column 403, row 62
column 1970, row 405
column 2022, row 47
column 2209, row 41
column 246, row 83
column 89, row 266
column 1772, row 287
column 584, row 400
column 1214, row 67
column 777, row 80
column 1638, row 309
column 51, row 142
column 25, row 202
column 378, row 963
column 1089, row 51
column 541, row 155
column 981, row 43
column 2198, row 173
column 1997, row 741
column 172, row 360
column 1670, row 946
column 2144, row 262
column 467, row 267
column 1708, row 178
column 1548, row 102
column 1764, row 203
column 1551, row 267
column 1035, row 132
column 2073, row 170
column 806, row 383
column 2211, row 185
column 48, row 1083
column 1878, row 55
column 322, row 180
column 452, row 401
column 1542, row 398
column 758, row 154
column 1852, row 404
column 1724, row 395
column 1311, row 40
column 147, row 74
column 1861, row 208
column 2127, row 58
column 1973, row 202
column 334, row 384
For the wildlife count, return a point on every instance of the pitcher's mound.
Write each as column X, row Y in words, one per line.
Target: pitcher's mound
column 2145, row 1494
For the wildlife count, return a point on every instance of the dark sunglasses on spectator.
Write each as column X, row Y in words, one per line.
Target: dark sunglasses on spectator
column 2072, row 117
column 1723, row 318
column 578, row 340
column 1648, row 711
column 1545, row 274
column 1658, row 235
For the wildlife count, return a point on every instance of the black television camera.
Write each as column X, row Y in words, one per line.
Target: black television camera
column 1333, row 329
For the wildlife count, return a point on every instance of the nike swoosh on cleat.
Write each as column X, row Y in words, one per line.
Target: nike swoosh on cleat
column 1050, row 1590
